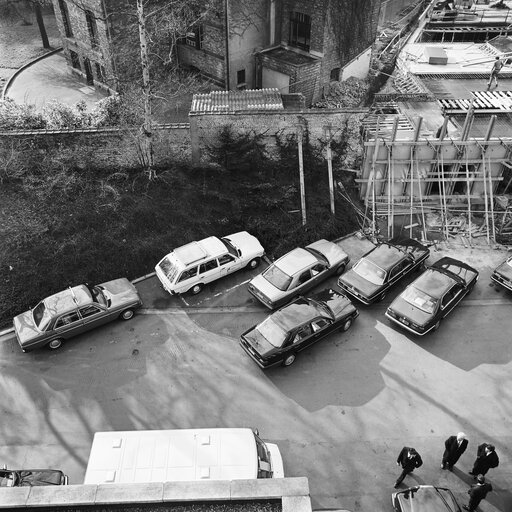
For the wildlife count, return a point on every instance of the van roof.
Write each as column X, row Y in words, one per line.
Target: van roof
column 172, row 455
column 197, row 251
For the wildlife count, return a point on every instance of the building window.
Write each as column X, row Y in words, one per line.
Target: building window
column 335, row 74
column 100, row 72
column 240, row 79
column 300, row 30
column 65, row 18
column 75, row 61
column 195, row 37
column 92, row 28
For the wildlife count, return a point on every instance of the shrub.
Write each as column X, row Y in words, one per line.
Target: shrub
column 19, row 117
column 58, row 116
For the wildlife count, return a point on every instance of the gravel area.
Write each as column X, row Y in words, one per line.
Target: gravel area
column 21, row 43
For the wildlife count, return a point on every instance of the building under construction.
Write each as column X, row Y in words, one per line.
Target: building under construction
column 439, row 141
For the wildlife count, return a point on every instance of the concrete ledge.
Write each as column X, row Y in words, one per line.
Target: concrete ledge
column 293, row 493
column 129, row 493
column 296, row 504
column 270, row 488
column 214, row 490
column 53, row 495
column 14, row 497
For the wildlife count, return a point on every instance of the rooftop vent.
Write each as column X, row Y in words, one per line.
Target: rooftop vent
column 436, row 55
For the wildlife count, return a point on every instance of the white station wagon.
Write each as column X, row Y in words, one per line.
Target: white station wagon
column 189, row 267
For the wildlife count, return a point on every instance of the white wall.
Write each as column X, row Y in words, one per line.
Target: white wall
column 358, row 67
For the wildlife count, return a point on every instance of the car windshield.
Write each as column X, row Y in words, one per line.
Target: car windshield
column 230, row 247
column 318, row 255
column 169, row 268
column 277, row 277
column 272, row 332
column 7, row 479
column 369, row 271
column 420, row 299
column 41, row 316
column 264, row 460
column 98, row 295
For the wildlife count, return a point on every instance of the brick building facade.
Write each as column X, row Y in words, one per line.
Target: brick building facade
column 297, row 46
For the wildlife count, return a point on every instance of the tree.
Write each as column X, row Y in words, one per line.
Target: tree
column 14, row 10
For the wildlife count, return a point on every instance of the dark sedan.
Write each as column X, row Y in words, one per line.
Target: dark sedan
column 503, row 274
column 430, row 298
column 425, row 498
column 297, row 326
column 377, row 271
column 31, row 477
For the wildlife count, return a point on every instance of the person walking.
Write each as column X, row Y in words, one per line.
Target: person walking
column 477, row 493
column 454, row 447
column 486, row 458
column 409, row 459
column 495, row 71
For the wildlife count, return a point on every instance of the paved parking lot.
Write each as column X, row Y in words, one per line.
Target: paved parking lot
column 340, row 414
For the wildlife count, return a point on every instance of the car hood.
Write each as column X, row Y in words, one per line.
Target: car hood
column 504, row 270
column 246, row 243
column 121, row 291
column 332, row 252
column 258, row 342
column 36, row 477
column 351, row 279
column 266, row 288
column 403, row 308
column 25, row 328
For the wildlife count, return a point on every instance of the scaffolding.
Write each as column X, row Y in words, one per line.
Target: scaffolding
column 437, row 185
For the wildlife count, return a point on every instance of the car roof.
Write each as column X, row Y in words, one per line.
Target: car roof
column 426, row 498
column 298, row 312
column 68, row 299
column 434, row 282
column 197, row 251
column 295, row 261
column 385, row 256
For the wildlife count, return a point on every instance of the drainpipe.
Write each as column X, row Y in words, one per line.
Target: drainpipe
column 226, row 25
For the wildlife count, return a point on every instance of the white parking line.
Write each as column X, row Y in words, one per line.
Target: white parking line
column 232, row 288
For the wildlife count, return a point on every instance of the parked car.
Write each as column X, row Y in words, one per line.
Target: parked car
column 432, row 296
column 297, row 272
column 378, row 270
column 74, row 311
column 31, row 477
column 503, row 274
column 425, row 498
column 297, row 326
column 189, row 267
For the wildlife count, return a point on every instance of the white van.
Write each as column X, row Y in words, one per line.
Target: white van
column 181, row 455
column 189, row 267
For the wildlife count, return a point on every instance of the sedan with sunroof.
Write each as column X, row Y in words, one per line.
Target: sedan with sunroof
column 370, row 279
column 425, row 498
column 422, row 306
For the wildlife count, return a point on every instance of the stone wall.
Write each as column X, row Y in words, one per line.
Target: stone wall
column 109, row 149
column 206, row 127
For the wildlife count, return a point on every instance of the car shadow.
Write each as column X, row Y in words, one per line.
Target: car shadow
column 341, row 370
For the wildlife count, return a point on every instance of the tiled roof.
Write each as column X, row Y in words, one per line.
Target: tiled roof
column 230, row 101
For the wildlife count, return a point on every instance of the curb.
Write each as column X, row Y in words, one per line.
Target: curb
column 19, row 70
column 7, row 331
column 147, row 276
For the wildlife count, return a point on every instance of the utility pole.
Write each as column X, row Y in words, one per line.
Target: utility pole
column 301, row 174
column 329, row 167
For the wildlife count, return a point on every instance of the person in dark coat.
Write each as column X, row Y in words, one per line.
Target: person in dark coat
column 486, row 458
column 477, row 493
column 409, row 459
column 454, row 447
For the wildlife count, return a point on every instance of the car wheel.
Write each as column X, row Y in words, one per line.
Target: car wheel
column 127, row 314
column 289, row 360
column 197, row 288
column 340, row 269
column 254, row 263
column 346, row 325
column 55, row 344
column 436, row 326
